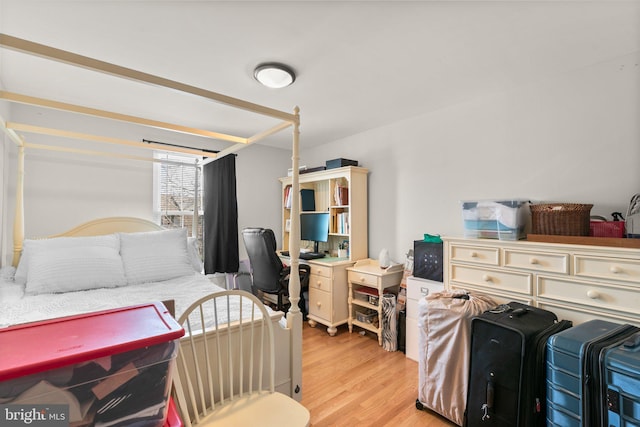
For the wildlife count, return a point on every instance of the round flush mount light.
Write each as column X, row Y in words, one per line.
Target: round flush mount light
column 274, row 75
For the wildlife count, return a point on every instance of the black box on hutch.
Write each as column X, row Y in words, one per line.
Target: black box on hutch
column 338, row 163
column 427, row 260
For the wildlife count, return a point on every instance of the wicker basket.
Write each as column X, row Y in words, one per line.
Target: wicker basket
column 563, row 219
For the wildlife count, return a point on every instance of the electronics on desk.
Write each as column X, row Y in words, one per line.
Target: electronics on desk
column 311, row 255
column 305, row 255
column 314, row 227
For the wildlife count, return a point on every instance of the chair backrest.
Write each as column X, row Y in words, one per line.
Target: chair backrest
column 230, row 357
column 260, row 244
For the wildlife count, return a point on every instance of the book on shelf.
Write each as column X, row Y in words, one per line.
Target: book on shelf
column 341, row 195
column 342, row 223
column 287, row 197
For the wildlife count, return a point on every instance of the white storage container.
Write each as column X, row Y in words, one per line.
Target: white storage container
column 499, row 219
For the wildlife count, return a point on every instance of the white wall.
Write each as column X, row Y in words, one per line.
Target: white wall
column 568, row 138
column 257, row 171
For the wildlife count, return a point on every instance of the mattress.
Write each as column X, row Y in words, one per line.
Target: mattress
column 16, row 307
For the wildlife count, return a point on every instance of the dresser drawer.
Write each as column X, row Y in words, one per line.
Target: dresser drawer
column 320, row 282
column 320, row 270
column 492, row 279
column 607, row 268
column 497, row 297
column 320, row 304
column 363, row 278
column 580, row 315
column 538, row 261
column 475, row 254
column 592, row 294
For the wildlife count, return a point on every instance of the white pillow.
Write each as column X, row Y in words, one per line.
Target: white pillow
column 194, row 254
column 30, row 246
column 74, row 269
column 155, row 255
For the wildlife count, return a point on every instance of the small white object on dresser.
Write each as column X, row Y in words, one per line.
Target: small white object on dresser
column 417, row 288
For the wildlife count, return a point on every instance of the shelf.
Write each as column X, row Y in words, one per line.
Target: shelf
column 348, row 214
column 363, row 304
column 367, row 326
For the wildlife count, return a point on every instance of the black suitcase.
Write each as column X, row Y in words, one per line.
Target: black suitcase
column 507, row 386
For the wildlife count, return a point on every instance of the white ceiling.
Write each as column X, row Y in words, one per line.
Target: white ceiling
column 360, row 64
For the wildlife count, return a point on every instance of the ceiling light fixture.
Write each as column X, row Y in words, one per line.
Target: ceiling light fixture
column 274, row 75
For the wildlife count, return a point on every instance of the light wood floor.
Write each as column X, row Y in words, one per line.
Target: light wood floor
column 348, row 380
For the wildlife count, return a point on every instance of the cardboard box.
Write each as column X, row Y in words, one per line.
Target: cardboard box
column 104, row 367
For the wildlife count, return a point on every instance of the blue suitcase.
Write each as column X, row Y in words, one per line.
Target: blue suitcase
column 574, row 390
column 622, row 379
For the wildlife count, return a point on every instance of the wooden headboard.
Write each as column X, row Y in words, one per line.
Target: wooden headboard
column 118, row 224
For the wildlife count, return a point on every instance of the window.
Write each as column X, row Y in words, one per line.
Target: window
column 178, row 192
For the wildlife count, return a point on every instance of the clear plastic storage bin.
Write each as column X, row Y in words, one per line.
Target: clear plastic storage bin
column 499, row 219
column 104, row 368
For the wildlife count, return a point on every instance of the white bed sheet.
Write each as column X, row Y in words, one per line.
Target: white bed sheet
column 15, row 307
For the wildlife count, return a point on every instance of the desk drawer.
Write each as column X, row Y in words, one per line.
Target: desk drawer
column 545, row 262
column 475, row 254
column 320, row 270
column 363, row 279
column 607, row 268
column 320, row 282
column 592, row 294
column 320, row 303
column 492, row 279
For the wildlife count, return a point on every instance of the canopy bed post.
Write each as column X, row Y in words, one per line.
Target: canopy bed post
column 294, row 316
column 18, row 222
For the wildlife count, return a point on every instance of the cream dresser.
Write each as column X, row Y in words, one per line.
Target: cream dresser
column 577, row 282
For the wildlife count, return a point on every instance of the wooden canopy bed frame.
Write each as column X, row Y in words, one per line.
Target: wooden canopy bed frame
column 123, row 224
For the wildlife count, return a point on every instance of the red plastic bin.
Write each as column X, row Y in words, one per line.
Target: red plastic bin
column 173, row 419
column 606, row 228
column 102, row 367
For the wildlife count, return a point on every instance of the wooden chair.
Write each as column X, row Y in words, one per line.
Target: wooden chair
column 225, row 373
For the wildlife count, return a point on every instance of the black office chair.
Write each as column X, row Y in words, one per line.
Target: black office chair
column 268, row 273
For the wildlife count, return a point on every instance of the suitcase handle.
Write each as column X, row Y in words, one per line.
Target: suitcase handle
column 633, row 341
column 486, row 407
column 518, row 312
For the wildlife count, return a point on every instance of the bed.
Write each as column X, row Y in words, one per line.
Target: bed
column 19, row 303
column 72, row 273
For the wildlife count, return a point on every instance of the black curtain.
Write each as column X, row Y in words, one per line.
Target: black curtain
column 220, row 216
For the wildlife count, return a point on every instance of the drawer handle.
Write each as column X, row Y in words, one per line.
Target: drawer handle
column 486, row 277
column 319, row 283
column 473, row 255
column 319, row 304
column 615, row 269
column 362, row 279
column 593, row 294
column 534, row 261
